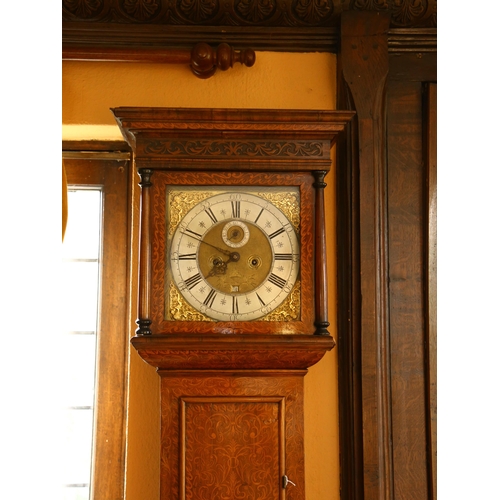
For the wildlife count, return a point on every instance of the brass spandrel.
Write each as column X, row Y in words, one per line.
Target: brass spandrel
column 180, row 203
column 180, row 310
column 288, row 203
column 289, row 310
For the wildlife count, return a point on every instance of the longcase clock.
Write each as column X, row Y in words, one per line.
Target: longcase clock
column 232, row 289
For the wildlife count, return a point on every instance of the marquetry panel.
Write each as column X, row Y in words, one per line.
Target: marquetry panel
column 238, row 430
column 232, row 447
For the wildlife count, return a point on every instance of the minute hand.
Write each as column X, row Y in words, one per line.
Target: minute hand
column 221, row 250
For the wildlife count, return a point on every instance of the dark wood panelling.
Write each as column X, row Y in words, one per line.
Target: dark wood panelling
column 364, row 70
column 386, row 260
column 430, row 206
column 405, row 183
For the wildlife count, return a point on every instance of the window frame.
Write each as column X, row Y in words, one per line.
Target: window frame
column 106, row 165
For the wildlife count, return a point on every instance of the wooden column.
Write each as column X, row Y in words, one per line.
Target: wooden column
column 365, row 66
column 144, row 320
column 321, row 311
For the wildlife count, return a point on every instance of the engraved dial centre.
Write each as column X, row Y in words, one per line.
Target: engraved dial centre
column 244, row 269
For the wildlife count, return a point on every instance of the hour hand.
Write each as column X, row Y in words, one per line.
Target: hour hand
column 219, row 267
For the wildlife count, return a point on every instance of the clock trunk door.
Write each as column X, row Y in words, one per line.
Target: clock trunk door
column 232, row 448
column 231, row 436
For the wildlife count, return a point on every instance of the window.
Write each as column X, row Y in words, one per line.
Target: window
column 81, row 265
column 95, row 325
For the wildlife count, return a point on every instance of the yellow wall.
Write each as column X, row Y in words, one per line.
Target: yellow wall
column 278, row 80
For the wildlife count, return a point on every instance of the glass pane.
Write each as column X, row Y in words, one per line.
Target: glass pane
column 80, row 301
column 77, row 435
column 82, row 237
column 79, row 370
column 76, row 493
column 79, row 307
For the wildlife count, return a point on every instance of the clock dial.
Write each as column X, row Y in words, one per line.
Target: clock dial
column 234, row 256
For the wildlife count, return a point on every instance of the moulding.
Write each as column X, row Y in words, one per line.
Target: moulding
column 253, row 13
column 290, row 25
column 96, row 150
column 215, row 352
column 95, row 146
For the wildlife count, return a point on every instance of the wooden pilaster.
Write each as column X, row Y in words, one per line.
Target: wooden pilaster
column 364, row 68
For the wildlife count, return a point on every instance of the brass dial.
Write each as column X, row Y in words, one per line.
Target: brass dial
column 234, row 256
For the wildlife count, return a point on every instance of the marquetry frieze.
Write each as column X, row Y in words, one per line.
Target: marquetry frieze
column 202, row 148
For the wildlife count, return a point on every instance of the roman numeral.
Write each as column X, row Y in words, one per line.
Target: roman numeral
column 258, row 216
column 187, row 256
column 277, row 233
column 276, row 280
column 235, row 305
column 192, row 234
column 235, row 207
column 260, row 300
column 283, row 256
column 210, row 298
column 211, row 215
column 193, row 281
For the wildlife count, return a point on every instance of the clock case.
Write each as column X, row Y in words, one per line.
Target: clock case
column 223, row 148
column 219, row 377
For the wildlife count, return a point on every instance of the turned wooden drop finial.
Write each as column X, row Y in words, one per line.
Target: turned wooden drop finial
column 205, row 60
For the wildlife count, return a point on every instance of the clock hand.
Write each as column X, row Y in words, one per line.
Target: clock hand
column 234, row 234
column 218, row 269
column 221, row 250
column 220, row 266
column 233, row 256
